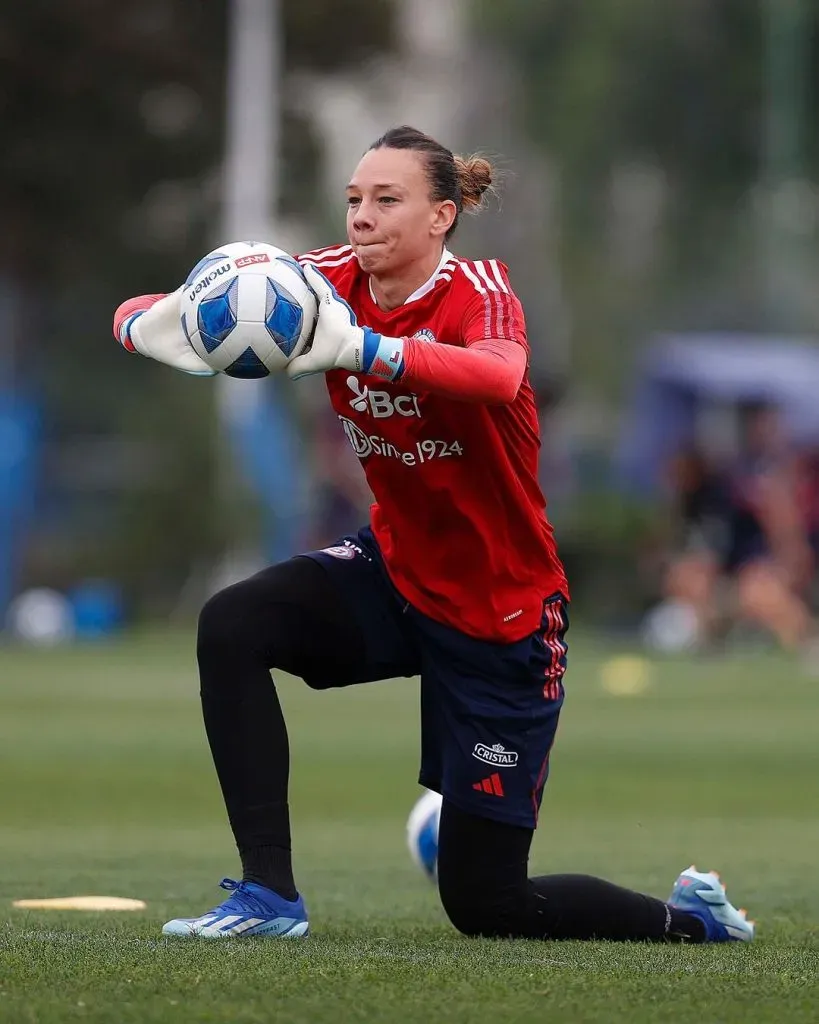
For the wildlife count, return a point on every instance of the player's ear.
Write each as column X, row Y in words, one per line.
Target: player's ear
column 443, row 217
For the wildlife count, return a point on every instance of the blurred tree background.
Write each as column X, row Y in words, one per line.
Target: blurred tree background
column 684, row 147
column 684, row 166
column 684, row 159
column 114, row 130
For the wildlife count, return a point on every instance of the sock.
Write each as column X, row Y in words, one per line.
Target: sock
column 271, row 867
column 583, row 907
column 482, row 879
column 682, row 927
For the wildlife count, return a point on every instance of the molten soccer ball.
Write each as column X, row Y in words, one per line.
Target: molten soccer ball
column 247, row 309
column 422, row 832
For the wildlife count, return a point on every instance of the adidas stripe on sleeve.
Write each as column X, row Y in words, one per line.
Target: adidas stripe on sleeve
column 492, row 309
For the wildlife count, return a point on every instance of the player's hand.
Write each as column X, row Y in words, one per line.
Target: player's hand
column 338, row 341
column 153, row 328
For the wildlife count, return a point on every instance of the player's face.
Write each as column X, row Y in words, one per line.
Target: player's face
column 391, row 221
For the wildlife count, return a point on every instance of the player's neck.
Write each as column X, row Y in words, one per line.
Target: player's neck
column 392, row 291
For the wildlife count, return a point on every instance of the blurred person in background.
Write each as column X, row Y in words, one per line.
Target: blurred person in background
column 701, row 517
column 457, row 579
column 747, row 551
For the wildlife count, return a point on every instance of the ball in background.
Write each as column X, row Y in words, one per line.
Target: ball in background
column 247, row 309
column 672, row 627
column 422, row 832
column 42, row 617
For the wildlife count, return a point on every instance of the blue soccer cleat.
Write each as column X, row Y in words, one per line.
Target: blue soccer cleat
column 703, row 895
column 250, row 910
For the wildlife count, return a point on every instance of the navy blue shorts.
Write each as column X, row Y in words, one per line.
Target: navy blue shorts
column 489, row 711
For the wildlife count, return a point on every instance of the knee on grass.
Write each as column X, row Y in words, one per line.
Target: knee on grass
column 477, row 910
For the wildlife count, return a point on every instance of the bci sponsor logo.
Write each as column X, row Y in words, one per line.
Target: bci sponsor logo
column 208, row 279
column 381, row 404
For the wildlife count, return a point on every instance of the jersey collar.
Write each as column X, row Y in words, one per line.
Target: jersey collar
column 426, row 287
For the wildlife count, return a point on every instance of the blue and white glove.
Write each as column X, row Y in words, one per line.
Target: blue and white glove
column 154, row 329
column 339, row 343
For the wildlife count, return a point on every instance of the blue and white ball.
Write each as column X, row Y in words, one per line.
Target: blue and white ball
column 422, row 832
column 247, row 309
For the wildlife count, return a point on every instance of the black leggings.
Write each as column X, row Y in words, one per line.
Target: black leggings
column 271, row 621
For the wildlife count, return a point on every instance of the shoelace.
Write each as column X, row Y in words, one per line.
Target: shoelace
column 244, row 897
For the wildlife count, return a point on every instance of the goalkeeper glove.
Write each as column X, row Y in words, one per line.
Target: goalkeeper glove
column 338, row 341
column 152, row 326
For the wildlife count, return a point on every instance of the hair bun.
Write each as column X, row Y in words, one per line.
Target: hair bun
column 475, row 175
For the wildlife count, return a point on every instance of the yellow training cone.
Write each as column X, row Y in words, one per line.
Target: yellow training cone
column 81, row 903
column 626, row 675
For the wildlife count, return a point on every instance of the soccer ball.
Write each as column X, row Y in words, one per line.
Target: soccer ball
column 672, row 627
column 247, row 309
column 422, row 832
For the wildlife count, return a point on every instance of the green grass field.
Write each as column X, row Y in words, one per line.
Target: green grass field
column 107, row 788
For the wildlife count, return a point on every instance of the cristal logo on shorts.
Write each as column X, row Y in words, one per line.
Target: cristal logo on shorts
column 495, row 755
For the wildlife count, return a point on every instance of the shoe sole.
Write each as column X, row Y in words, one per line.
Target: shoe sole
column 298, row 931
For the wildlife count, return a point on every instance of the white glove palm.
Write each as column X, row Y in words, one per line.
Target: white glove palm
column 157, row 333
column 338, row 341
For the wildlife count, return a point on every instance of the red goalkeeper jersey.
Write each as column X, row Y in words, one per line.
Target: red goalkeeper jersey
column 459, row 515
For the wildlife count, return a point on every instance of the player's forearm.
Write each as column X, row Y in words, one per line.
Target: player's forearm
column 488, row 372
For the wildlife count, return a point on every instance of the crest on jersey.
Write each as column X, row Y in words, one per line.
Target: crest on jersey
column 425, row 334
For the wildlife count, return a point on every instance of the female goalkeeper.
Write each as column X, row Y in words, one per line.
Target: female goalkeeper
column 456, row 579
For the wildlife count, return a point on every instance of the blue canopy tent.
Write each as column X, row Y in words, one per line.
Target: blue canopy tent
column 19, row 436
column 679, row 374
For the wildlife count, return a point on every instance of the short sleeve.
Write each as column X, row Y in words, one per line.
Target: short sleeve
column 490, row 307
